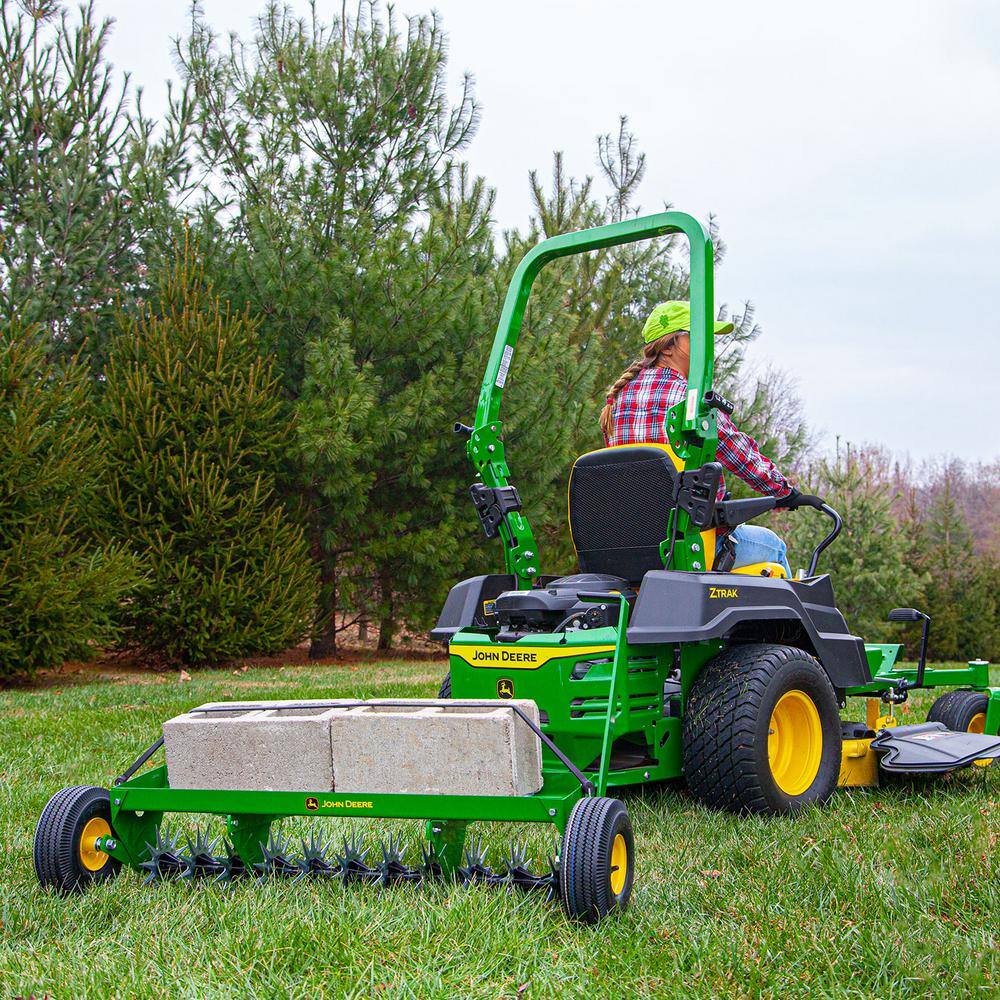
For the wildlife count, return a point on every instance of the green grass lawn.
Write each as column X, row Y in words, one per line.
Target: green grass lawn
column 886, row 893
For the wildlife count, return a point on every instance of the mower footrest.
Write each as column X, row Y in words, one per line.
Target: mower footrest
column 930, row 748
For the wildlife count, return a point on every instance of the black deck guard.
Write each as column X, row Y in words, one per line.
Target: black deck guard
column 689, row 607
column 929, row 748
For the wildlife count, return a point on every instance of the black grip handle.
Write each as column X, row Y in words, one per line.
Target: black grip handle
column 801, row 500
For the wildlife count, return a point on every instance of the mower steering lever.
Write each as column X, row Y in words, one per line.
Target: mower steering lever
column 838, row 523
column 797, row 500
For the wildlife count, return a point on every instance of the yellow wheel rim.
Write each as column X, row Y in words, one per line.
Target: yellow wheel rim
column 977, row 724
column 794, row 742
column 619, row 864
column 90, row 857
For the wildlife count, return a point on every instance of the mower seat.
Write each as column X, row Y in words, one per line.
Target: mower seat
column 620, row 500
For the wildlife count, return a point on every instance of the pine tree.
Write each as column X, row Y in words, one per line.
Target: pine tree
column 961, row 591
column 196, row 432
column 60, row 586
column 85, row 186
column 871, row 563
column 347, row 227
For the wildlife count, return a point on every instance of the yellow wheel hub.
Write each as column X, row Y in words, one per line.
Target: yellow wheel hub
column 977, row 724
column 90, row 857
column 619, row 864
column 794, row 742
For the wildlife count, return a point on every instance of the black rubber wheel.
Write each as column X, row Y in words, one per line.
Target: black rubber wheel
column 961, row 711
column 445, row 689
column 597, row 859
column 64, row 856
column 761, row 731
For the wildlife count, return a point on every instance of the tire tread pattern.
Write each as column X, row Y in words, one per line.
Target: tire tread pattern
column 54, row 852
column 955, row 709
column 720, row 720
column 584, row 885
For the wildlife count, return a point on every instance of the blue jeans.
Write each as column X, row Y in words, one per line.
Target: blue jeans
column 756, row 544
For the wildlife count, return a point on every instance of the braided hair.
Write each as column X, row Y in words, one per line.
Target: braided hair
column 652, row 355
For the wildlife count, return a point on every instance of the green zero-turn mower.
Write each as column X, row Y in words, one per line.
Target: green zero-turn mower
column 655, row 661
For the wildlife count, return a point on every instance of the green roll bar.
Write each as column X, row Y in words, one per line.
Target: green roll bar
column 691, row 425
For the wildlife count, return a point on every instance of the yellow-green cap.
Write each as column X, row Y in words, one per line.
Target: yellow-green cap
column 669, row 317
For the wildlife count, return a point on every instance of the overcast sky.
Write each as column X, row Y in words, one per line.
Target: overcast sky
column 851, row 153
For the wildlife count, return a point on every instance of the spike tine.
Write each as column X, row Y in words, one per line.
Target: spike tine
column 351, row 864
column 430, row 869
column 474, row 869
column 232, row 865
column 276, row 862
column 163, row 862
column 199, row 860
column 314, row 860
column 392, row 869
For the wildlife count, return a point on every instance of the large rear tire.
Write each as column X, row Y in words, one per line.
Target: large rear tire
column 66, row 857
column 445, row 689
column 761, row 731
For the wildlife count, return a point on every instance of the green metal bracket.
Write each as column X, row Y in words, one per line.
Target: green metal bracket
column 992, row 727
column 448, row 839
column 617, row 705
column 248, row 834
column 132, row 833
column 692, row 425
column 486, row 452
column 976, row 676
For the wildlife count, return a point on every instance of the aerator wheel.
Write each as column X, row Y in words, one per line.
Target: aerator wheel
column 66, row 855
column 762, row 731
column 962, row 712
column 597, row 859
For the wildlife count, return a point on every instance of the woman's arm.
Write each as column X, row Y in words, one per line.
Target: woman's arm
column 739, row 453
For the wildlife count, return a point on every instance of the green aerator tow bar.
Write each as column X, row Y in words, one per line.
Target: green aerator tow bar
column 692, row 424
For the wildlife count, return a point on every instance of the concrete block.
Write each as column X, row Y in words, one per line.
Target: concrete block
column 276, row 749
column 425, row 746
column 436, row 747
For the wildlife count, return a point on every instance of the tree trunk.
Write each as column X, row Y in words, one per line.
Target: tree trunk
column 387, row 621
column 324, row 641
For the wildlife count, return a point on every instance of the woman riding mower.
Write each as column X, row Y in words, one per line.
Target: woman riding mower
column 636, row 412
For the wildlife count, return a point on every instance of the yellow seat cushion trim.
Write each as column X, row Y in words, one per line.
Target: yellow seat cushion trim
column 771, row 569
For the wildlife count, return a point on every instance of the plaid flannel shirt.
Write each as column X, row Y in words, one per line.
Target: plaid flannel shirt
column 639, row 416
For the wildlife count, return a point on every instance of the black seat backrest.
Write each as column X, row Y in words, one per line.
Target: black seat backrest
column 620, row 500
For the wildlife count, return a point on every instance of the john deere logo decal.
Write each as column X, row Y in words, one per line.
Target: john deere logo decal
column 518, row 657
column 505, row 688
column 312, row 804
